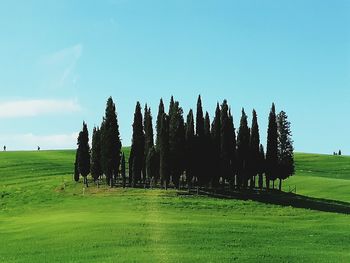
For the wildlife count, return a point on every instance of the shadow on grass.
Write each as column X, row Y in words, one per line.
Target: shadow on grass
column 281, row 198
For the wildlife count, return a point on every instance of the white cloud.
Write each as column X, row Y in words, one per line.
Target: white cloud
column 32, row 108
column 30, row 141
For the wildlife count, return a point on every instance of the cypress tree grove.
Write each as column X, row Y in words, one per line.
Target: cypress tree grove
column 159, row 122
column 137, row 146
column 176, row 143
column 243, row 151
column 110, row 142
column 190, row 151
column 164, row 152
column 261, row 166
column 149, row 142
column 272, row 148
column 122, row 168
column 215, row 137
column 254, row 150
column 285, row 148
column 84, row 153
column 76, row 168
column 96, row 166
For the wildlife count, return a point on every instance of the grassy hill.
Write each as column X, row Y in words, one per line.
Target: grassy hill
column 46, row 217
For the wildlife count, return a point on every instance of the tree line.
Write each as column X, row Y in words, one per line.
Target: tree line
column 186, row 153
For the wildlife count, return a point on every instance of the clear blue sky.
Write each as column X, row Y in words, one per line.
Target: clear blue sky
column 60, row 60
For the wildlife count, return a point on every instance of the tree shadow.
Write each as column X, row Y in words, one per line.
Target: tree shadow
column 280, row 198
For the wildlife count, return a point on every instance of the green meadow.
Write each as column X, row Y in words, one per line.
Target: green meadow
column 46, row 217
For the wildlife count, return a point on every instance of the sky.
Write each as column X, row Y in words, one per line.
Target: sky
column 61, row 60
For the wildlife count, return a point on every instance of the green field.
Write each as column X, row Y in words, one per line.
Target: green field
column 45, row 217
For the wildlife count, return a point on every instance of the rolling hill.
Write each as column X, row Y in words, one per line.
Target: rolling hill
column 46, row 217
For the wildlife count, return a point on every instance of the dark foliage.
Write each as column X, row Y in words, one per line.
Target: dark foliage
column 159, row 122
column 215, row 138
column 243, row 151
column 225, row 143
column 149, row 142
column 96, row 163
column 176, row 142
column 190, row 150
column 164, row 152
column 262, row 166
column 272, row 148
column 254, row 150
column 84, row 153
column 110, row 142
column 137, row 146
column 285, row 148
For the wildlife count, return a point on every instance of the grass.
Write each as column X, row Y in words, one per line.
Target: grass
column 44, row 217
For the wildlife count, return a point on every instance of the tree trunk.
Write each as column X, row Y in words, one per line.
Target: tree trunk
column 280, row 185
column 273, row 184
column 267, row 184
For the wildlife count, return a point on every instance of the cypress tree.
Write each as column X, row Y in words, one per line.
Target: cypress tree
column 76, row 168
column 206, row 124
column 233, row 150
column 152, row 165
column 123, row 170
column 225, row 143
column 261, row 166
column 171, row 106
column 149, row 142
column 254, row 149
column 138, row 145
column 176, row 142
column 190, row 151
column 285, row 148
column 272, row 148
column 243, row 151
column 199, row 118
column 159, row 121
column 96, row 166
column 110, row 142
column 164, row 152
column 215, row 136
column 207, row 153
column 199, row 142
column 84, row 153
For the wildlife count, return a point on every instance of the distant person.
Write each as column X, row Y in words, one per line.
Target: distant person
column 4, row 148
column 38, row 148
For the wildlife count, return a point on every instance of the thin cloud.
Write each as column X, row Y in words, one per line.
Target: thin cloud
column 33, row 108
column 62, row 66
column 30, row 141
